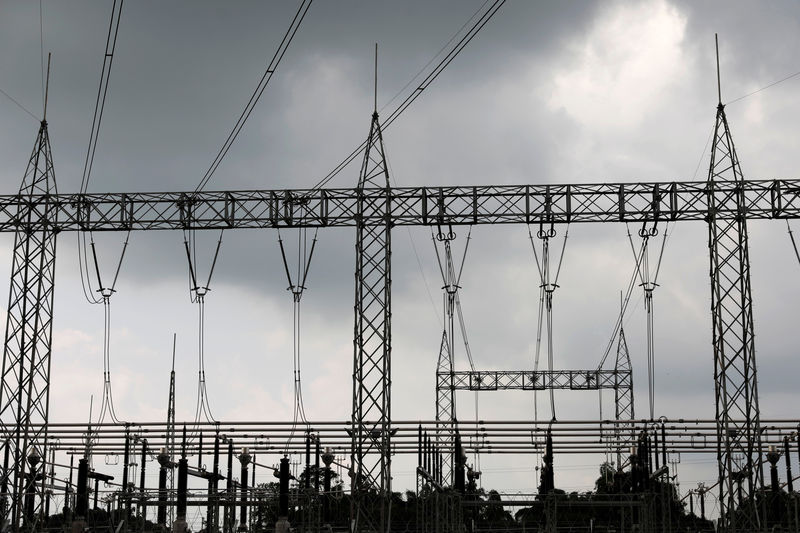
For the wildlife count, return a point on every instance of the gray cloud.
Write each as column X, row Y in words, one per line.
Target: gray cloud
column 548, row 92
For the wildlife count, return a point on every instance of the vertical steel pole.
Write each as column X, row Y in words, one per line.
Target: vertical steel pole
column 788, row 460
column 212, row 518
column 229, row 489
column 125, row 468
column 142, row 498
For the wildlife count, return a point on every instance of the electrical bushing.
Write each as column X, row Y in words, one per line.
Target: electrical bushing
column 773, row 457
column 327, row 458
column 82, row 496
column 183, row 483
column 283, row 497
column 245, row 460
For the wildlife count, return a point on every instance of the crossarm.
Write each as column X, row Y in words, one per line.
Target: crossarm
column 410, row 206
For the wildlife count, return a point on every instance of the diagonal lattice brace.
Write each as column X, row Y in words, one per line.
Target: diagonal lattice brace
column 623, row 398
column 445, row 406
column 371, row 415
column 25, row 387
column 735, row 384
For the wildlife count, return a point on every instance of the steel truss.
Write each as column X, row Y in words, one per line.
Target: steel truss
column 445, row 380
column 25, row 390
column 371, row 425
column 620, row 380
column 739, row 456
column 404, row 206
column 724, row 202
column 623, row 398
column 483, row 380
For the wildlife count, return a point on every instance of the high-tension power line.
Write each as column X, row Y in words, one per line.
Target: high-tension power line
column 774, row 83
column 102, row 92
column 254, row 98
column 484, row 18
column 19, row 105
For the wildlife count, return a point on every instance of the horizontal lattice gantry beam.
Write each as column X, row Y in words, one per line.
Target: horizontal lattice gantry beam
column 534, row 380
column 410, row 206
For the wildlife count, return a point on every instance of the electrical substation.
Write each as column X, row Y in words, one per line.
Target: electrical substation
column 336, row 475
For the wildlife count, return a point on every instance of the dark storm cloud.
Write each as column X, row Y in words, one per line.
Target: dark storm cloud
column 547, row 92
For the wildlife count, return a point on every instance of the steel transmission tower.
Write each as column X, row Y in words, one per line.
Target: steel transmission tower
column 25, row 392
column 739, row 452
column 623, row 399
column 371, row 423
column 445, row 406
column 445, row 381
column 170, row 440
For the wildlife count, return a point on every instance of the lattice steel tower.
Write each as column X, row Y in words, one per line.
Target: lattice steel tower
column 738, row 433
column 445, row 382
column 371, row 421
column 624, row 432
column 25, row 392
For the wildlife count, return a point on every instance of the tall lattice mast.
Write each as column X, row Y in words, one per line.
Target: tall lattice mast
column 738, row 432
column 171, row 431
column 445, row 390
column 25, row 392
column 371, row 415
column 624, row 432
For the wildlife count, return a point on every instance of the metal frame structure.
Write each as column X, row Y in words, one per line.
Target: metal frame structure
column 445, row 364
column 736, row 386
column 620, row 379
column 491, row 380
column 371, row 424
column 404, row 206
column 25, row 389
column 724, row 202
column 623, row 397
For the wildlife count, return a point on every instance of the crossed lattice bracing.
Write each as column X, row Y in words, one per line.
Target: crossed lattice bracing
column 623, row 397
column 445, row 405
column 25, row 392
column 407, row 206
column 724, row 202
column 370, row 452
column 739, row 458
column 490, row 380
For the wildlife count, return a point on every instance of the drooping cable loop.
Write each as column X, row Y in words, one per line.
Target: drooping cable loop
column 451, row 272
column 197, row 294
column 481, row 17
column 105, row 292
column 548, row 283
column 625, row 302
column 648, row 281
column 99, row 107
column 297, row 20
column 451, row 279
column 297, row 286
column 102, row 92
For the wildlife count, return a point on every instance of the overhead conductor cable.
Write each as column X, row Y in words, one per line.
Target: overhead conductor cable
column 259, row 90
column 452, row 53
column 107, row 405
column 297, row 286
column 649, row 281
column 548, row 285
column 197, row 294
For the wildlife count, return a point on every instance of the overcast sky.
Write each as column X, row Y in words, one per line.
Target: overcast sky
column 547, row 93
